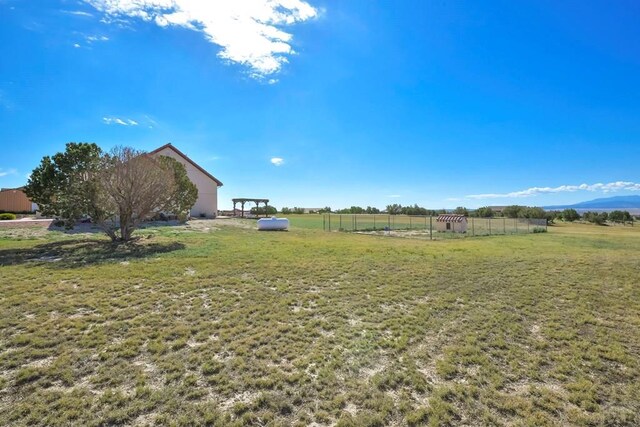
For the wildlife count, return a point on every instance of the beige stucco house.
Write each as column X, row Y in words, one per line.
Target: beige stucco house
column 207, row 203
column 451, row 222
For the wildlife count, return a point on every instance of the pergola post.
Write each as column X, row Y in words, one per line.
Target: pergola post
column 242, row 202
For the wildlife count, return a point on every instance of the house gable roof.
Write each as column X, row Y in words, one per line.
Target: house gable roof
column 184, row 156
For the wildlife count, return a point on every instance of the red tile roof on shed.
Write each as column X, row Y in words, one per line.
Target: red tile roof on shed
column 451, row 218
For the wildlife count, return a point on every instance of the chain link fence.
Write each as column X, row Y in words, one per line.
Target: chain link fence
column 428, row 226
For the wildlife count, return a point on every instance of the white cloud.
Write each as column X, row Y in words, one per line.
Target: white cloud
column 534, row 191
column 91, row 39
column 249, row 32
column 278, row 161
column 77, row 13
column 5, row 172
column 119, row 121
column 76, row 45
column 394, row 196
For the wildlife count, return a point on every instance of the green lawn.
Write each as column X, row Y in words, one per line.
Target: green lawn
column 225, row 325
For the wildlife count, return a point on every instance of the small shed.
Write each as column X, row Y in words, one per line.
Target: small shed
column 451, row 222
column 14, row 200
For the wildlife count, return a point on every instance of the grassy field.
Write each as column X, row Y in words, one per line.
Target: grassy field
column 219, row 324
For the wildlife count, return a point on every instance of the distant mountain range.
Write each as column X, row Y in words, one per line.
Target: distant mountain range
column 607, row 203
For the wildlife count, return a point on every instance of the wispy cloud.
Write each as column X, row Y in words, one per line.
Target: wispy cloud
column 278, row 161
column 394, row 196
column 78, row 13
column 93, row 39
column 249, row 32
column 5, row 102
column 534, row 191
column 5, row 172
column 119, row 121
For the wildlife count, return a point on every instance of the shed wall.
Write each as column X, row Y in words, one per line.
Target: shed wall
column 15, row 201
column 456, row 227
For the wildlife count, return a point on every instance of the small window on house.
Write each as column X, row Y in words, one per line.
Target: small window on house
column 448, row 226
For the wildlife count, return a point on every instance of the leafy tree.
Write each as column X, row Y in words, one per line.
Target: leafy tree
column 133, row 186
column 551, row 216
column 570, row 215
column 326, row 209
column 532, row 212
column 595, row 217
column 65, row 184
column 270, row 210
column 394, row 209
column 413, row 210
column 512, row 211
column 461, row 210
column 620, row 216
column 298, row 211
column 185, row 193
column 484, row 212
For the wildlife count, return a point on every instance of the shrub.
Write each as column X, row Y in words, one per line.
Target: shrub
column 7, row 216
column 539, row 230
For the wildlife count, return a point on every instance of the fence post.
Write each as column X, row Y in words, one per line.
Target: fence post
column 389, row 221
column 473, row 227
column 374, row 222
column 324, row 218
column 329, row 222
column 340, row 221
column 504, row 225
column 430, row 227
column 355, row 223
column 528, row 222
column 409, row 222
column 515, row 221
column 490, row 226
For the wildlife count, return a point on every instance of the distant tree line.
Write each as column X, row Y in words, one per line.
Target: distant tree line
column 270, row 210
column 397, row 209
column 513, row 211
column 599, row 218
column 288, row 211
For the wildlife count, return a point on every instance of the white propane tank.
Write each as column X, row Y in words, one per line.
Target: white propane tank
column 273, row 223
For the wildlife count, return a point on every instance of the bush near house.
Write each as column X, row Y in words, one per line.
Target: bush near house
column 7, row 216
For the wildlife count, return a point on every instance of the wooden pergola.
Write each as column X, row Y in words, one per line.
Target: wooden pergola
column 242, row 201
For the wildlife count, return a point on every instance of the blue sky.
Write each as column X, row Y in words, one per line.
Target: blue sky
column 440, row 103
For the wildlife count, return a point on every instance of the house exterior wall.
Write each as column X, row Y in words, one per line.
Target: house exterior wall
column 207, row 202
column 14, row 200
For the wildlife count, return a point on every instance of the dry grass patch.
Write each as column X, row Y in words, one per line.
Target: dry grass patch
column 239, row 327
